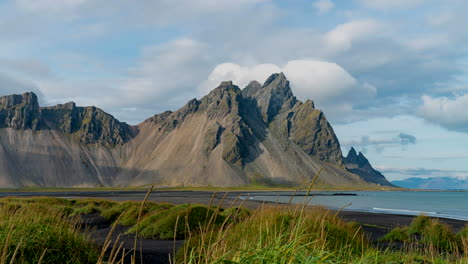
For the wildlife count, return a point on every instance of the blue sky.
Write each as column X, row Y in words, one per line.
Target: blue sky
column 391, row 75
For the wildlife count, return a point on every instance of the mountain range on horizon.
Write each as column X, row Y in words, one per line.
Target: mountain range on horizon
column 433, row 183
column 261, row 134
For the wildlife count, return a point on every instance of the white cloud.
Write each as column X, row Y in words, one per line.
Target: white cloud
column 318, row 79
column 49, row 6
column 167, row 75
column 240, row 75
column 450, row 113
column 10, row 85
column 427, row 42
column 323, row 6
column 324, row 82
column 390, row 4
column 343, row 36
column 147, row 12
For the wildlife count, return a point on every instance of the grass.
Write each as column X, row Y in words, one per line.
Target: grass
column 431, row 233
column 128, row 211
column 176, row 222
column 45, row 230
column 294, row 234
column 33, row 233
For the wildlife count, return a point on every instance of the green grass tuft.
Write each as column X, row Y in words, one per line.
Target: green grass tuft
column 418, row 225
column 398, row 234
column 129, row 211
column 34, row 230
column 177, row 222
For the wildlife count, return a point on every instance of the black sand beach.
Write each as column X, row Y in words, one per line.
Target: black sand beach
column 157, row 251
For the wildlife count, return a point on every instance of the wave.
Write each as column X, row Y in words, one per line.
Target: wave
column 404, row 211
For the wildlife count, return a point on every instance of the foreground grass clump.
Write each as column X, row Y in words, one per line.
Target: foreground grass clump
column 277, row 234
column 430, row 232
column 398, row 234
column 177, row 222
column 128, row 211
column 44, row 230
column 297, row 234
column 89, row 206
column 33, row 233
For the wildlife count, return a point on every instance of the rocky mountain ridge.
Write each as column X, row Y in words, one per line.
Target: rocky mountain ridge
column 260, row 134
column 433, row 183
column 358, row 164
column 89, row 125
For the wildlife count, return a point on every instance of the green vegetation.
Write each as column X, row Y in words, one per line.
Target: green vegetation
column 397, row 234
column 128, row 211
column 432, row 233
column 294, row 234
column 33, row 232
column 177, row 222
column 46, row 230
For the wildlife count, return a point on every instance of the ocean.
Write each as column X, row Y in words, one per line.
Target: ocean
column 445, row 204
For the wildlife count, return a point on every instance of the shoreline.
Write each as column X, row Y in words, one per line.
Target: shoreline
column 224, row 199
column 218, row 189
column 374, row 225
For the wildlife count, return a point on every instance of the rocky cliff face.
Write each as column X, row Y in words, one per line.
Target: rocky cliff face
column 20, row 111
column 89, row 125
column 359, row 165
column 260, row 134
column 304, row 125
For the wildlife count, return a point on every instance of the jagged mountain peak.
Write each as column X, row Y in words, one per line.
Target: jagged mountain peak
column 310, row 103
column 223, row 100
column 279, row 79
column 279, row 85
column 273, row 98
column 354, row 159
column 358, row 164
column 252, row 88
column 352, row 152
column 228, row 137
column 352, row 156
column 225, row 86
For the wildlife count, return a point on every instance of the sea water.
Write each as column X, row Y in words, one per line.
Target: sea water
column 445, row 204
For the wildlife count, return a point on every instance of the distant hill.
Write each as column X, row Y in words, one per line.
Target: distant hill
column 261, row 134
column 436, row 183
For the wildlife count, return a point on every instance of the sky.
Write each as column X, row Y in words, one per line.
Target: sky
column 390, row 75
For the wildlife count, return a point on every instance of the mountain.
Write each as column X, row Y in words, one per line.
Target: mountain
column 260, row 134
column 435, row 183
column 359, row 165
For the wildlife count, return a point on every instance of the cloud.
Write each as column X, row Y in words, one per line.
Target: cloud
column 48, row 5
column 390, row 4
column 323, row 81
column 369, row 51
column 323, row 6
column 406, row 139
column 425, row 173
column 146, row 12
column 447, row 112
column 380, row 143
column 28, row 67
column 343, row 36
column 9, row 85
